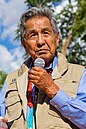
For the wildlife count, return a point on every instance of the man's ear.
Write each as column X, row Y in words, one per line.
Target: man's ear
column 23, row 43
column 57, row 39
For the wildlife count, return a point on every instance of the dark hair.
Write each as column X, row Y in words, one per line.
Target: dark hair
column 34, row 11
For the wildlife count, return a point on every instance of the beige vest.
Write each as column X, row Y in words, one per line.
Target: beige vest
column 66, row 76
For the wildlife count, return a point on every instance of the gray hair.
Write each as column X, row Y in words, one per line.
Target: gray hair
column 34, row 11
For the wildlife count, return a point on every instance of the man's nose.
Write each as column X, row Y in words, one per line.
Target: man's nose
column 40, row 39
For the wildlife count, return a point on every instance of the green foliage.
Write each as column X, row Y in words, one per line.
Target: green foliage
column 39, row 3
column 75, row 21
column 77, row 54
column 2, row 78
column 66, row 19
column 79, row 25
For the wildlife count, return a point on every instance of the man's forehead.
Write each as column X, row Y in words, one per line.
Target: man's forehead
column 45, row 28
column 38, row 22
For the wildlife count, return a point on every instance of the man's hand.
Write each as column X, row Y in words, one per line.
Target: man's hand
column 5, row 120
column 43, row 81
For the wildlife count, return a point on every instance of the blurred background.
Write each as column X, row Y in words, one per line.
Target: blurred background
column 71, row 19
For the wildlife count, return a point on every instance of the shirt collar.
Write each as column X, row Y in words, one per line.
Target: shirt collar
column 53, row 64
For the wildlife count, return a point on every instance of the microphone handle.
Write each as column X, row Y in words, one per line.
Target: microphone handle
column 39, row 62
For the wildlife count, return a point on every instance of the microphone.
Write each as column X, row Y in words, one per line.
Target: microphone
column 39, row 62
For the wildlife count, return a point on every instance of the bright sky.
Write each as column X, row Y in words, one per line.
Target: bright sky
column 10, row 50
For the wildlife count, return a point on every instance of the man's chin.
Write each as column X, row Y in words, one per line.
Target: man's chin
column 43, row 56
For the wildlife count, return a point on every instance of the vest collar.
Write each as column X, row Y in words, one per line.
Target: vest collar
column 61, row 67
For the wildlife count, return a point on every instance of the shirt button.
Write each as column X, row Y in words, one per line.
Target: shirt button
column 55, row 106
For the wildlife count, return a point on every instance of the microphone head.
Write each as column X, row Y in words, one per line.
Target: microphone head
column 39, row 62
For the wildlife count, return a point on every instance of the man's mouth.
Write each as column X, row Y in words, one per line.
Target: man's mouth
column 42, row 51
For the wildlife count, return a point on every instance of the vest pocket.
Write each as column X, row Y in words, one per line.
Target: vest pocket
column 13, row 106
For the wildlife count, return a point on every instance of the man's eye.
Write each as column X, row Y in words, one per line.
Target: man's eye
column 46, row 33
column 32, row 35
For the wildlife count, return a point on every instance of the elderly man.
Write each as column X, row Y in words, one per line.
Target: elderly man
column 53, row 97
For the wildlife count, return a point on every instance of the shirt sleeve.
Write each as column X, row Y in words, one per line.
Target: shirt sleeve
column 71, row 107
column 2, row 100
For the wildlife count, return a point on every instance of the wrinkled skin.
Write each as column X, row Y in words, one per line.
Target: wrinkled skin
column 41, row 42
column 43, row 81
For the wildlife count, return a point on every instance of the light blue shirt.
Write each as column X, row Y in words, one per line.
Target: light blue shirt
column 73, row 109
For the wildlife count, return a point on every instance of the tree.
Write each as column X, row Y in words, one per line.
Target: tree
column 39, row 3
column 73, row 29
column 2, row 78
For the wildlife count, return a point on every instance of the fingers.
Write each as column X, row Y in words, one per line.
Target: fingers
column 5, row 120
column 43, row 81
column 32, row 74
column 36, row 71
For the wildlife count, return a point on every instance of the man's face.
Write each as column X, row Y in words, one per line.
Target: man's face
column 41, row 41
